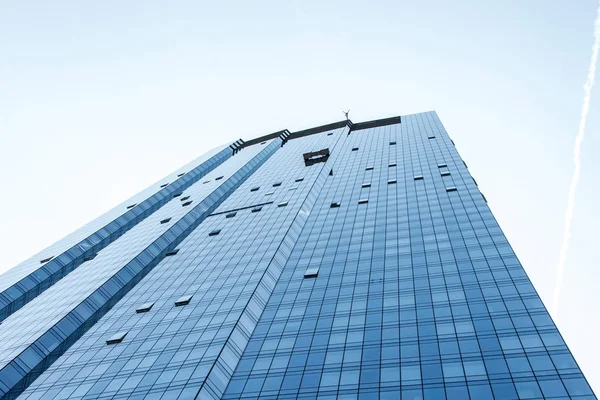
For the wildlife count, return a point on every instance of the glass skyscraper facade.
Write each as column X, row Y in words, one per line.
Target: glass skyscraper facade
column 350, row 261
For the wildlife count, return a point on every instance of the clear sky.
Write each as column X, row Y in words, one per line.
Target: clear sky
column 100, row 99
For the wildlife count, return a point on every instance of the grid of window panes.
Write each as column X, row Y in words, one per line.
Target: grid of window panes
column 418, row 293
column 170, row 351
column 28, row 279
column 31, row 336
column 376, row 272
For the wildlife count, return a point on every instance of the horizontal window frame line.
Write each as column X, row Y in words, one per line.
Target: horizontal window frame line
column 241, row 208
column 36, row 282
column 101, row 300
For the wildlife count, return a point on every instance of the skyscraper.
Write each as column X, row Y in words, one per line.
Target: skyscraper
column 352, row 261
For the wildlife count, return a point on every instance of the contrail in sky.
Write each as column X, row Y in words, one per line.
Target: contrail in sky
column 587, row 93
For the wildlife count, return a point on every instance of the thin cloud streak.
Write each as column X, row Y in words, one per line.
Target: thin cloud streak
column 587, row 90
